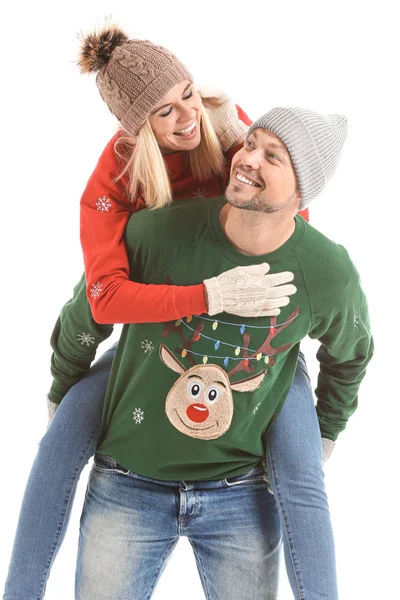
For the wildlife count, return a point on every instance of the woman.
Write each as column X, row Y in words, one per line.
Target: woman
column 122, row 183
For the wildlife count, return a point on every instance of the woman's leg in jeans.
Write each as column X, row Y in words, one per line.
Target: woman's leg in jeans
column 63, row 452
column 296, row 476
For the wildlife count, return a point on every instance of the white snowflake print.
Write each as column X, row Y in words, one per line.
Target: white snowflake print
column 356, row 317
column 147, row 346
column 96, row 289
column 85, row 338
column 199, row 193
column 256, row 408
column 103, row 204
column 138, row 415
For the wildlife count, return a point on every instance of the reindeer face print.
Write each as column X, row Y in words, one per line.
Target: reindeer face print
column 200, row 403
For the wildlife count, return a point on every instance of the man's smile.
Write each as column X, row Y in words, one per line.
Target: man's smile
column 247, row 180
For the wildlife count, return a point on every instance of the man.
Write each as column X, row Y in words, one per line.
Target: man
column 188, row 403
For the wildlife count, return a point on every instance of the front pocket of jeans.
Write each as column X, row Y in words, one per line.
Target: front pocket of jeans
column 245, row 479
column 102, row 466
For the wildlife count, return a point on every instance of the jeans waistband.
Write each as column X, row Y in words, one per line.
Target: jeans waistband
column 256, row 473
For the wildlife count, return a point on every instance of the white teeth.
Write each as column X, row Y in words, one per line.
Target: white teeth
column 245, row 180
column 188, row 129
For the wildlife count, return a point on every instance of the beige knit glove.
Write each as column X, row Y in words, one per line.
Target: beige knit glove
column 223, row 116
column 249, row 291
column 327, row 449
column 51, row 409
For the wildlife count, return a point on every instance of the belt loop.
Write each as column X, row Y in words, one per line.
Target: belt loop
column 188, row 486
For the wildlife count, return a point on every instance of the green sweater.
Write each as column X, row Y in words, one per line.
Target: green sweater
column 193, row 399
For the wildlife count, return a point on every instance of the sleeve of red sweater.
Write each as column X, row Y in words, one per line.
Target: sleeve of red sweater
column 105, row 210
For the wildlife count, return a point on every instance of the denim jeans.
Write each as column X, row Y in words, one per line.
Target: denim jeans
column 63, row 452
column 295, row 473
column 293, row 456
column 130, row 525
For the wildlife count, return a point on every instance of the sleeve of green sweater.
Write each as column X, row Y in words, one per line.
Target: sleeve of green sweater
column 75, row 339
column 342, row 326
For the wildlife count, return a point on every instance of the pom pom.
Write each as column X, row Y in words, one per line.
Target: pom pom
column 96, row 48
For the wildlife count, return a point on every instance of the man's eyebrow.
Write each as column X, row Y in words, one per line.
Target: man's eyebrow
column 278, row 147
column 164, row 105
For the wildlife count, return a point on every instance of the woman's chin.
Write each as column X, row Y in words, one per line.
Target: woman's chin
column 194, row 144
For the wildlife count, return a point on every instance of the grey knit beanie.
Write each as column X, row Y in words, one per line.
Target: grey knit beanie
column 133, row 75
column 314, row 143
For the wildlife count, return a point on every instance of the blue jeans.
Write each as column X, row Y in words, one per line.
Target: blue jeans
column 294, row 466
column 293, row 456
column 130, row 525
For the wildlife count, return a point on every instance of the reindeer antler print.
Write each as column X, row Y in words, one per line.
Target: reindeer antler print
column 244, row 364
column 265, row 347
column 187, row 343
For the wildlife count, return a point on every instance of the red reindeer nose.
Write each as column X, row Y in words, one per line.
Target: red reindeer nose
column 197, row 413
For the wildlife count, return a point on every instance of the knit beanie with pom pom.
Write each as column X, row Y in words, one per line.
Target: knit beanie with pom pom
column 132, row 75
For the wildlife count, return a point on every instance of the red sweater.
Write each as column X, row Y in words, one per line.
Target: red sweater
column 105, row 210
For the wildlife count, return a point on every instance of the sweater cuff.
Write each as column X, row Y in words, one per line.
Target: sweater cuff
column 236, row 133
column 57, row 391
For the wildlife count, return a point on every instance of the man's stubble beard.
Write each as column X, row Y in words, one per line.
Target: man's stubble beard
column 255, row 204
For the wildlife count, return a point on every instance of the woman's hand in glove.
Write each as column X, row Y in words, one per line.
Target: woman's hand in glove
column 249, row 291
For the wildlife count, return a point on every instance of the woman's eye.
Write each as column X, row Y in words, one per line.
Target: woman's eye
column 166, row 113
column 189, row 95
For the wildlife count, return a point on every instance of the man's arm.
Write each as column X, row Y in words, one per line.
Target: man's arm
column 345, row 351
column 75, row 339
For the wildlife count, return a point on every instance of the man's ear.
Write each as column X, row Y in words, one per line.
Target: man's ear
column 298, row 194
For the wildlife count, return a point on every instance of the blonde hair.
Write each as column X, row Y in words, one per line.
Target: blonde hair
column 146, row 170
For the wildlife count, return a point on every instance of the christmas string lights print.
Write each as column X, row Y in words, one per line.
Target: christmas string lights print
column 240, row 353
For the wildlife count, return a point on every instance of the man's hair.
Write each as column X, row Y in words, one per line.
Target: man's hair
column 145, row 167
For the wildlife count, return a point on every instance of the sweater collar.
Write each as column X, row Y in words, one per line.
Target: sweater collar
column 244, row 259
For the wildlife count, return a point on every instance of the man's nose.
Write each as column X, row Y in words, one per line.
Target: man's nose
column 252, row 160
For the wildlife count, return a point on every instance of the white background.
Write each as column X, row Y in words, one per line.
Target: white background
column 331, row 57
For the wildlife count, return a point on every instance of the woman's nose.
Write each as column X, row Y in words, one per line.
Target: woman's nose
column 186, row 113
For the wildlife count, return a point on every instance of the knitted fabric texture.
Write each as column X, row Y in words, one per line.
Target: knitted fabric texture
column 136, row 78
column 229, row 128
column 327, row 448
column 249, row 291
column 51, row 409
column 314, row 142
